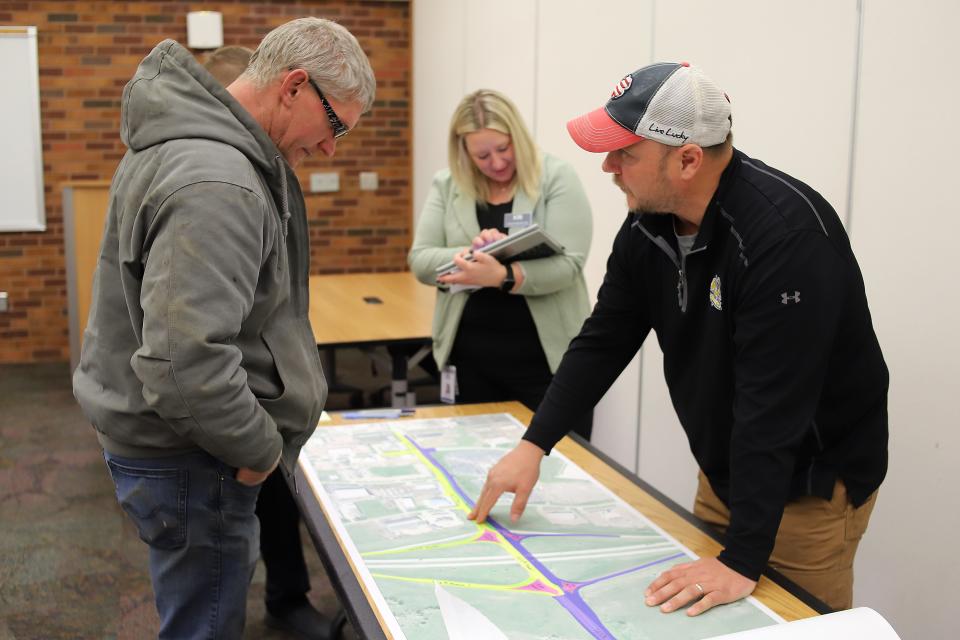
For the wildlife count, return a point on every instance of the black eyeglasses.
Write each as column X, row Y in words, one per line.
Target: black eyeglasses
column 339, row 129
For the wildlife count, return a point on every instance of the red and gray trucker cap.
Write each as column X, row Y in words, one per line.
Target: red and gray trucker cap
column 670, row 102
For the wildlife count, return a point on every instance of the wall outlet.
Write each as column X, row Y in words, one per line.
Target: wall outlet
column 3, row 301
column 324, row 182
column 369, row 181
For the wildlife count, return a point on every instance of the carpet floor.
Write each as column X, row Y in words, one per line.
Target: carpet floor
column 71, row 564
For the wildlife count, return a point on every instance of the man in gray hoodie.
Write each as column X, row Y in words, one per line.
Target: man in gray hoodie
column 199, row 369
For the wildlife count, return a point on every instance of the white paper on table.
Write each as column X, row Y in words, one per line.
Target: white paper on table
column 463, row 621
column 862, row 623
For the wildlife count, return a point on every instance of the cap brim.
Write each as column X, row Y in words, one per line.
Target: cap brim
column 597, row 132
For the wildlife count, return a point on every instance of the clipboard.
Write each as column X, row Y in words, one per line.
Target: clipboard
column 530, row 243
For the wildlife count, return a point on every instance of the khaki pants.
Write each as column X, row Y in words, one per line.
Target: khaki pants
column 816, row 541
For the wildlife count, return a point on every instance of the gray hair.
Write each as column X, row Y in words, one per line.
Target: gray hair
column 324, row 49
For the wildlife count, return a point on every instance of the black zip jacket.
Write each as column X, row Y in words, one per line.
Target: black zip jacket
column 769, row 351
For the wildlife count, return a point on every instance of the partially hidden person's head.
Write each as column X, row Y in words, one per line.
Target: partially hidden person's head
column 489, row 146
column 666, row 127
column 227, row 63
column 307, row 83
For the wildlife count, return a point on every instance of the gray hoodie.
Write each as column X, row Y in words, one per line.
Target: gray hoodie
column 198, row 336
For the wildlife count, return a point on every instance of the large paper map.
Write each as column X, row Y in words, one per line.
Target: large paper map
column 573, row 567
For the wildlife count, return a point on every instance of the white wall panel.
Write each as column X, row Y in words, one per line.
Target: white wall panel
column 500, row 40
column 905, row 216
column 578, row 63
column 665, row 459
column 788, row 68
column 439, row 82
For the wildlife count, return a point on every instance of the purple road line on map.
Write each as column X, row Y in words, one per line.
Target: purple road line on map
column 583, row 614
column 524, row 536
column 572, row 602
column 587, row 583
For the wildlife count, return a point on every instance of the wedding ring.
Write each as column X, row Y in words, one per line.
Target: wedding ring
column 699, row 587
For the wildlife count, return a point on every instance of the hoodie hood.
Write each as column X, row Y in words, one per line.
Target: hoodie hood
column 173, row 97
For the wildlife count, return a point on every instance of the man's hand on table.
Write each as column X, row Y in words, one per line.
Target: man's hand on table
column 677, row 587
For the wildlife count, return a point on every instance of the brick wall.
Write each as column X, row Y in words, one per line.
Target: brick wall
column 88, row 51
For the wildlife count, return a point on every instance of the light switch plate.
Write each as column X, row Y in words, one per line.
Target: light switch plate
column 369, row 181
column 3, row 301
column 324, row 182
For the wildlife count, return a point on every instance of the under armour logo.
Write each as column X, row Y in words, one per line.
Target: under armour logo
column 785, row 299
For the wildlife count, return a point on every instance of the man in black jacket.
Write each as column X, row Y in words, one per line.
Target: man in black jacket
column 748, row 279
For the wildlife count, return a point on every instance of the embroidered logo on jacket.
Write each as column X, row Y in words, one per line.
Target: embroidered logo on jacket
column 715, row 298
column 786, row 299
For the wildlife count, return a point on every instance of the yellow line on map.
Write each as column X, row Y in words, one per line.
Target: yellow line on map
column 468, row 585
column 438, row 545
column 448, row 489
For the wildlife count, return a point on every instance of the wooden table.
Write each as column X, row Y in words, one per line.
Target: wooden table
column 374, row 309
column 773, row 590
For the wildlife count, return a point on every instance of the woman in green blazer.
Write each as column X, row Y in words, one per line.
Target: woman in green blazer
column 503, row 327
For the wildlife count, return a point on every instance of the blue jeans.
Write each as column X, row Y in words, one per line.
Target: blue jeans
column 203, row 536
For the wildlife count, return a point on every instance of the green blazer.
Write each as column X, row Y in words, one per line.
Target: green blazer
column 554, row 287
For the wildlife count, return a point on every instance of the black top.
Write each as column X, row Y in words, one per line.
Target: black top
column 769, row 351
column 490, row 216
column 496, row 324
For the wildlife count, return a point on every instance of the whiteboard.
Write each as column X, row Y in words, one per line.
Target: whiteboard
column 21, row 161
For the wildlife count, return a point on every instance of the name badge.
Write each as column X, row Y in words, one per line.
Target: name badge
column 517, row 220
column 448, row 384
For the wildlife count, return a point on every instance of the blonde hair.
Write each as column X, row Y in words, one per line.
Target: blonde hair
column 488, row 109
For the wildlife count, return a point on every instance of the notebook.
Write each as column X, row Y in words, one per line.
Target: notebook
column 530, row 243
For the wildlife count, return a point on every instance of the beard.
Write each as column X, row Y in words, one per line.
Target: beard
column 654, row 202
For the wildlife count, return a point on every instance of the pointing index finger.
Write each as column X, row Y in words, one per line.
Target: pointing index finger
column 488, row 498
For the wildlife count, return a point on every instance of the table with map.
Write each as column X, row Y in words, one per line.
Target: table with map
column 574, row 566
